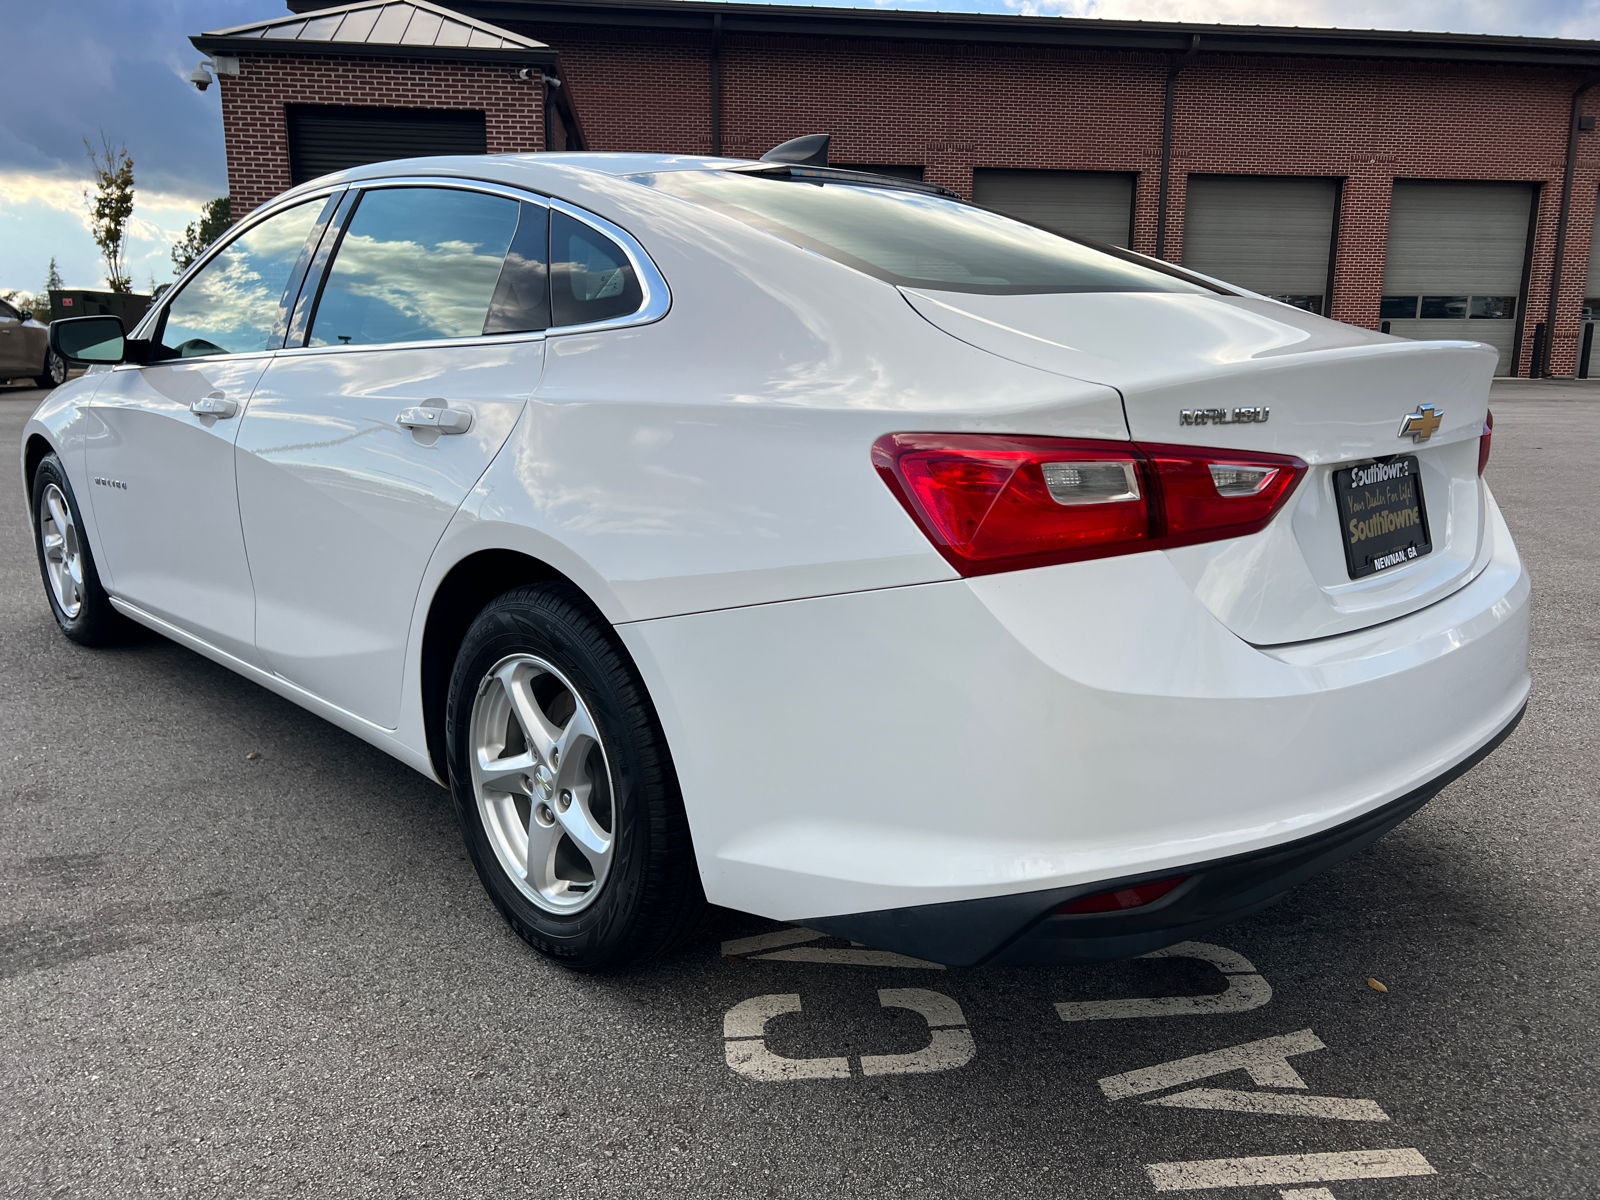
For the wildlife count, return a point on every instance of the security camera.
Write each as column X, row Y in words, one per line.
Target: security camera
column 200, row 77
column 529, row 74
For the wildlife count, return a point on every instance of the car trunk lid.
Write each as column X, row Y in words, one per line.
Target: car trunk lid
column 1250, row 374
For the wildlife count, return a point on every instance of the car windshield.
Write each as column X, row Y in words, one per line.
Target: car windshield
column 917, row 239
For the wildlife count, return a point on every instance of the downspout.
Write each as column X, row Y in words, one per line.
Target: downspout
column 1542, row 367
column 1166, row 144
column 716, row 85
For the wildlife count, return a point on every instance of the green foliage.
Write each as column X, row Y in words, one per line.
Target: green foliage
column 40, row 302
column 215, row 217
column 110, row 203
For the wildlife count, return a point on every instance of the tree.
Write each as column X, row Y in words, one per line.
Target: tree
column 110, row 207
column 41, row 301
column 215, row 217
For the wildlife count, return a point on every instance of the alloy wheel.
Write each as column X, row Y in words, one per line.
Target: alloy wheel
column 63, row 559
column 542, row 783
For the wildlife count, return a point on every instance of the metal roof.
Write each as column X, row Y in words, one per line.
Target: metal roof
column 979, row 28
column 388, row 28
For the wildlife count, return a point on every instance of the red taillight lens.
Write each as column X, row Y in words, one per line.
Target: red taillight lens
column 1208, row 495
column 986, row 504
column 996, row 503
column 1134, row 897
column 1486, row 437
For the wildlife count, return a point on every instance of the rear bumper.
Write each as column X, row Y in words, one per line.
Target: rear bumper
column 1027, row 930
column 1001, row 738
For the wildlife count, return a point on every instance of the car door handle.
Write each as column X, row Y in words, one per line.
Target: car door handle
column 215, row 405
column 445, row 420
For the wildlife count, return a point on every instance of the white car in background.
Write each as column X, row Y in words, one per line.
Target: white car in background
column 801, row 541
column 25, row 351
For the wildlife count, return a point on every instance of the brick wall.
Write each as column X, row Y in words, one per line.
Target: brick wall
column 951, row 108
column 253, row 107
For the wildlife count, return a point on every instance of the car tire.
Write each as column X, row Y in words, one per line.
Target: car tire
column 557, row 759
column 66, row 564
column 55, row 370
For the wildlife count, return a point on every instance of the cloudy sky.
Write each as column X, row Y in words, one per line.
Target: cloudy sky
column 74, row 69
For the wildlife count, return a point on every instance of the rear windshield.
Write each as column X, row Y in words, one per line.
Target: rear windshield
column 913, row 239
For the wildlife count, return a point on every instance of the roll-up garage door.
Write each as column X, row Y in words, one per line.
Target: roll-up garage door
column 1091, row 204
column 1454, row 267
column 1270, row 235
column 1591, row 305
column 328, row 137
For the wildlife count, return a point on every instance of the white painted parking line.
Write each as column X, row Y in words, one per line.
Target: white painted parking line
column 1306, row 1194
column 852, row 957
column 936, row 1008
column 1229, row 962
column 1328, row 1108
column 946, row 1050
column 749, row 1018
column 1246, row 990
column 1287, row 1168
column 739, row 947
column 950, row 1043
column 745, row 1025
column 765, row 947
column 1265, row 1061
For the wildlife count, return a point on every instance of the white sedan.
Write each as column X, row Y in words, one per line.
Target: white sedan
column 802, row 542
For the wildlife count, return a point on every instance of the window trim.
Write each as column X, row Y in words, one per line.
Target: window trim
column 157, row 314
column 657, row 299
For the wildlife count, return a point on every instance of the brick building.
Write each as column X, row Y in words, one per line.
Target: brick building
column 1441, row 185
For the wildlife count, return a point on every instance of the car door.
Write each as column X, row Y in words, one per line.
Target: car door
column 422, row 347
column 13, row 344
column 159, row 449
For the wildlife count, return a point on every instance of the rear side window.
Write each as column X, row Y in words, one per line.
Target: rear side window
column 591, row 278
column 231, row 305
column 914, row 239
column 421, row 264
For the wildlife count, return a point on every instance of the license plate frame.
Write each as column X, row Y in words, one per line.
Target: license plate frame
column 1383, row 516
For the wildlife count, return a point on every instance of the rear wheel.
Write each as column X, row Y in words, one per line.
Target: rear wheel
column 564, row 786
column 71, row 583
column 54, row 373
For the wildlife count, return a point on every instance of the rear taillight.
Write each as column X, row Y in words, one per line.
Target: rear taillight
column 998, row 503
column 1133, row 897
column 1484, row 439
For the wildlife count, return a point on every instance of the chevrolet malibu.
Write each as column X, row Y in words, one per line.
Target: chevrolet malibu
column 804, row 542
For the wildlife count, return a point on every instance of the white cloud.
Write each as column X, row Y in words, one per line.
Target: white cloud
column 1558, row 19
column 43, row 214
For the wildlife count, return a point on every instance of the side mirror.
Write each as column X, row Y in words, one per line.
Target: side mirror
column 85, row 340
column 27, row 314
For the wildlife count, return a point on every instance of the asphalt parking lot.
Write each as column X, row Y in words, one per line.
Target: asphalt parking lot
column 243, row 954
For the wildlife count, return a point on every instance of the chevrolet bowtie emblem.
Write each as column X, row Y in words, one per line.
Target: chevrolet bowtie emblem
column 1422, row 424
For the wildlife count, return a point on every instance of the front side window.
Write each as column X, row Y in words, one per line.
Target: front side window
column 231, row 305
column 423, row 264
column 9, row 313
column 915, row 239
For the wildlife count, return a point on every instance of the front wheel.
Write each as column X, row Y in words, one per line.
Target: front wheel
column 71, row 583
column 54, row 373
column 564, row 785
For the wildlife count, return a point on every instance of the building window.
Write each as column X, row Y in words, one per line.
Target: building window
column 1444, row 308
column 1312, row 304
column 1452, row 308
